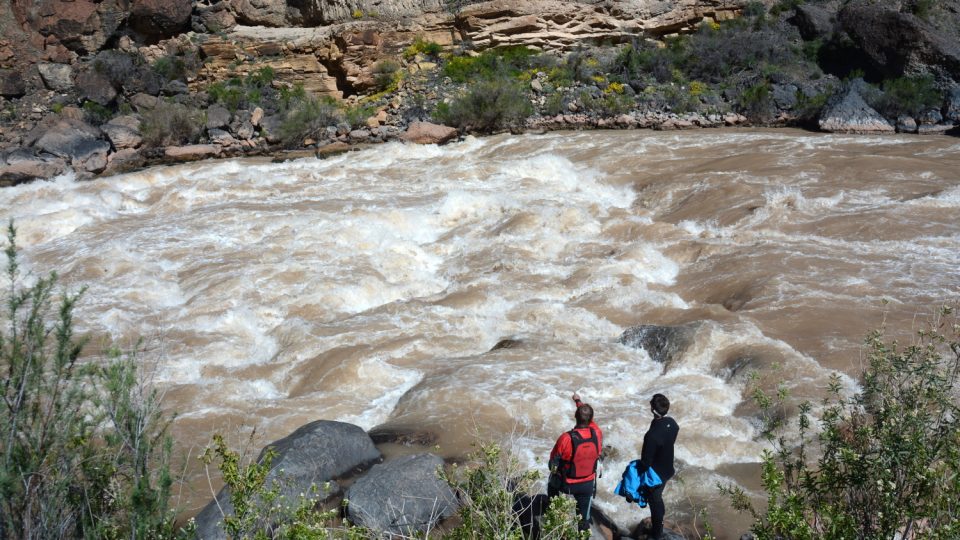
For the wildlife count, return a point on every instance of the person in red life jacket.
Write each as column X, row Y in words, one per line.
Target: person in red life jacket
column 573, row 462
column 657, row 454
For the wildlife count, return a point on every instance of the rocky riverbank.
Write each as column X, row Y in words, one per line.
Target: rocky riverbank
column 103, row 87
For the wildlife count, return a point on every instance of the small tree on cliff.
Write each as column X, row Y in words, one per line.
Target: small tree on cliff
column 888, row 462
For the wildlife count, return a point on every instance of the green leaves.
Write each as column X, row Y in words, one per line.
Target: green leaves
column 886, row 458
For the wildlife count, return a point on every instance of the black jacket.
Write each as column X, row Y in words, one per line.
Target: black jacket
column 658, row 447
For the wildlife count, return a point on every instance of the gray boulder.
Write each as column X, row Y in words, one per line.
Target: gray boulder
column 848, row 112
column 664, row 344
column 22, row 165
column 906, row 124
column 930, row 117
column 218, row 117
column 813, row 22
column 121, row 136
column 58, row 77
column 403, row 497
column 77, row 143
column 313, row 455
column 952, row 109
column 95, row 86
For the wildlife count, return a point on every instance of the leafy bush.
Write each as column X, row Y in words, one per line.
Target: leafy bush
column 171, row 124
column 488, row 106
column 756, row 102
column 170, row 67
column 386, row 75
column 908, row 95
column 307, row 119
column 608, row 104
column 237, row 92
column 96, row 113
column 887, row 460
column 85, row 448
column 490, row 64
column 422, row 46
column 488, row 491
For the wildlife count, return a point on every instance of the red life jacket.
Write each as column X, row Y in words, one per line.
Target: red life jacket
column 583, row 456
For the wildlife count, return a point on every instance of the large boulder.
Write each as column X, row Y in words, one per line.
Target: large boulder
column 899, row 43
column 58, row 77
column 22, row 165
column 848, row 112
column 403, row 497
column 274, row 13
column 121, row 136
column 664, row 344
column 323, row 12
column 83, row 26
column 813, row 21
column 427, row 133
column 95, row 86
column 77, row 143
column 158, row 19
column 313, row 455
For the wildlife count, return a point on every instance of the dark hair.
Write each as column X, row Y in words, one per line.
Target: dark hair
column 583, row 415
column 660, row 404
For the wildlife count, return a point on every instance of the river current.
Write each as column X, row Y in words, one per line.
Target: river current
column 370, row 287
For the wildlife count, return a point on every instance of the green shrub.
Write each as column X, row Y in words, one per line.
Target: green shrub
column 85, row 448
column 886, row 463
column 261, row 511
column 756, row 102
column 922, row 8
column 307, row 118
column 488, row 488
column 386, row 75
column 170, row 68
column 96, row 113
column 171, row 124
column 488, row 106
column 422, row 46
column 908, row 95
column 607, row 104
column 237, row 92
column 229, row 94
column 490, row 64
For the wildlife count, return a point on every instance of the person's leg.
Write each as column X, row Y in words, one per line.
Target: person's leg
column 553, row 487
column 583, row 495
column 657, row 511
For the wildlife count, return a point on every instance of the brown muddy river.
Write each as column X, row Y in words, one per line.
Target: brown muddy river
column 370, row 287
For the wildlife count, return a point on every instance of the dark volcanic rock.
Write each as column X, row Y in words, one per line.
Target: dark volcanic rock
column 952, row 108
column 11, row 84
column 813, row 21
column 157, row 19
column 404, row 496
column 95, row 86
column 898, row 43
column 664, row 344
column 22, row 165
column 312, row 455
column 76, row 142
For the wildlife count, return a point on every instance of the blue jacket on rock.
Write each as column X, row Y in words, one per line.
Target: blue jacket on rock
column 632, row 484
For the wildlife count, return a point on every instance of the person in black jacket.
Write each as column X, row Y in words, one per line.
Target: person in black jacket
column 658, row 453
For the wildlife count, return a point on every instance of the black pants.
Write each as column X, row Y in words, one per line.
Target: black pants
column 582, row 493
column 657, row 511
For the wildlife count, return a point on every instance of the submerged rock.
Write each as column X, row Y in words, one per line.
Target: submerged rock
column 664, row 344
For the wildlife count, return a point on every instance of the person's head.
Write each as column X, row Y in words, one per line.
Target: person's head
column 659, row 404
column 584, row 415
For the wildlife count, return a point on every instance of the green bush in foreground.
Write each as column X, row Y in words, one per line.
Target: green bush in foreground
column 887, row 461
column 85, row 453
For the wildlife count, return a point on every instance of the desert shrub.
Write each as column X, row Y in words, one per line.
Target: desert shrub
column 241, row 92
column 170, row 67
column 907, row 95
column 96, row 113
column 488, row 106
column 886, row 463
column 606, row 104
column 171, row 124
column 488, row 489
column 922, row 8
column 85, row 448
column 422, row 46
column 756, row 102
column 306, row 119
column 386, row 75
column 490, row 64
column 711, row 55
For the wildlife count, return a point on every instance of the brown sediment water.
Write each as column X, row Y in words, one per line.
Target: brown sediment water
column 370, row 287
